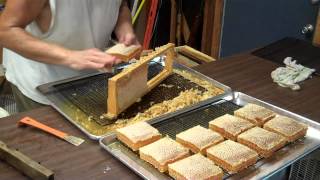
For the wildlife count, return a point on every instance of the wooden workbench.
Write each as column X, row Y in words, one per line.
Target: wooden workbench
column 1, row 48
column 245, row 73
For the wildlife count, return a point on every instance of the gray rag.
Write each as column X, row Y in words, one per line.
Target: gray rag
column 292, row 74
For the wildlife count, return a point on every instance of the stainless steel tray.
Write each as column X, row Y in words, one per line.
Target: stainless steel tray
column 264, row 168
column 71, row 112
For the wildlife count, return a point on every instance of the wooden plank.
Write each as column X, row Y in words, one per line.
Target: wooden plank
column 316, row 36
column 207, row 26
column 185, row 29
column 173, row 21
column 24, row 164
column 212, row 27
column 181, row 59
column 194, row 54
column 178, row 29
column 1, row 48
column 217, row 28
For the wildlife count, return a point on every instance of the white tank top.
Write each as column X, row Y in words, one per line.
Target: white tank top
column 75, row 24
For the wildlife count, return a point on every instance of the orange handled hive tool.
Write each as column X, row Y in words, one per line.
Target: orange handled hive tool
column 31, row 122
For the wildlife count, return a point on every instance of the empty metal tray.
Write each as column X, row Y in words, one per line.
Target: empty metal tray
column 171, row 126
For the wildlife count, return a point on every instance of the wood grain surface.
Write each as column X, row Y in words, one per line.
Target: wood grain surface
column 245, row 73
column 316, row 35
column 251, row 75
column 68, row 162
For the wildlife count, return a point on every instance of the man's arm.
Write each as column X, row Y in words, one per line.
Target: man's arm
column 124, row 30
column 18, row 14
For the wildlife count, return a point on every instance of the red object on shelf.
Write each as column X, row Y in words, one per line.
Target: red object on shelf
column 150, row 23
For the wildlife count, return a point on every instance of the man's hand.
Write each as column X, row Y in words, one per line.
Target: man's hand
column 90, row 59
column 124, row 30
column 128, row 39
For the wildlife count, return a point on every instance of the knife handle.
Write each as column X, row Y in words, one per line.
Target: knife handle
column 31, row 122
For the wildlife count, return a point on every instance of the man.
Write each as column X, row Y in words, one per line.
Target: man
column 50, row 40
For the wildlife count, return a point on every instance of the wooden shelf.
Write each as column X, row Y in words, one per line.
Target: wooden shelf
column 1, row 48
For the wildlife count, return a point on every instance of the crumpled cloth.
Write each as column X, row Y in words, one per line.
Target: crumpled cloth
column 3, row 113
column 292, row 74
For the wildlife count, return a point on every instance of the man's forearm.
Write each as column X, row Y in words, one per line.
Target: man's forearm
column 28, row 46
column 18, row 14
column 124, row 23
column 22, row 42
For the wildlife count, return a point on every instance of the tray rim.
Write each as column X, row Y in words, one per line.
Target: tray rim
column 230, row 97
column 48, row 88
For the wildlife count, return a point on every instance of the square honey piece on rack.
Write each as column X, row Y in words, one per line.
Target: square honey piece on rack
column 195, row 167
column 262, row 141
column 163, row 152
column 230, row 126
column 287, row 127
column 198, row 139
column 232, row 156
column 256, row 114
column 138, row 135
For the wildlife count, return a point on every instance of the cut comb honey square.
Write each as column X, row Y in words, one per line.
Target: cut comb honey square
column 138, row 135
column 198, row 139
column 230, row 126
column 262, row 141
column 195, row 167
column 232, row 156
column 123, row 51
column 163, row 152
column 256, row 114
column 287, row 127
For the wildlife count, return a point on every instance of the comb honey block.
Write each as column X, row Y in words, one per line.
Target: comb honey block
column 163, row 152
column 195, row 167
column 256, row 114
column 138, row 135
column 124, row 52
column 230, row 126
column 287, row 127
column 262, row 141
column 232, row 156
column 198, row 139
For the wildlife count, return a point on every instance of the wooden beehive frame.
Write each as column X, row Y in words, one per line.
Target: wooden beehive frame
column 131, row 84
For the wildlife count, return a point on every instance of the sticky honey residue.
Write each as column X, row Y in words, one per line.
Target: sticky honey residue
column 166, row 85
column 184, row 99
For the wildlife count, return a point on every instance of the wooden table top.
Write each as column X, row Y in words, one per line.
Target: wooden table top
column 244, row 73
column 251, row 75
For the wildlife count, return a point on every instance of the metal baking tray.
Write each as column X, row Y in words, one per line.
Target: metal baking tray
column 62, row 95
column 264, row 168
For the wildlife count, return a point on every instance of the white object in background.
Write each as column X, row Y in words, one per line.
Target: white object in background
column 134, row 8
column 290, row 75
column 314, row 2
column 2, row 70
column 3, row 113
